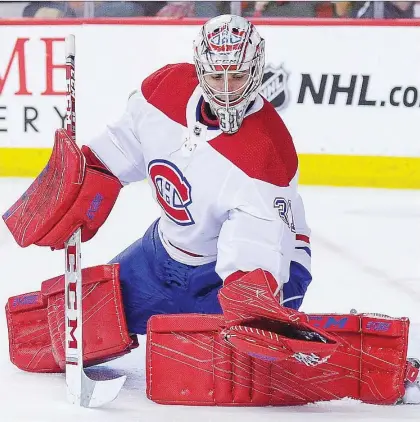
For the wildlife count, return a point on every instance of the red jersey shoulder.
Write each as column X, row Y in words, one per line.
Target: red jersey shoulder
column 262, row 148
column 169, row 89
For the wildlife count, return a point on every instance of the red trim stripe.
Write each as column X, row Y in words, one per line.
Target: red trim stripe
column 195, row 21
column 303, row 238
column 186, row 252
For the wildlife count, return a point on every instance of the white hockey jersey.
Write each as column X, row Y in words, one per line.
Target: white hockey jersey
column 226, row 198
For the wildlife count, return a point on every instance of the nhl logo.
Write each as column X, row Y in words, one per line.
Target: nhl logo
column 274, row 86
column 197, row 131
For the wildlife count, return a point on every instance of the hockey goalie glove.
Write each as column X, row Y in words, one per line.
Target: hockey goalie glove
column 68, row 194
column 36, row 322
column 259, row 326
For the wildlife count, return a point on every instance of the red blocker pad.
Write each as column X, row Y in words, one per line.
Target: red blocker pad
column 190, row 363
column 36, row 322
column 68, row 194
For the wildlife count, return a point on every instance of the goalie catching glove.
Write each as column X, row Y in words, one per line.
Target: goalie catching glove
column 74, row 190
column 257, row 325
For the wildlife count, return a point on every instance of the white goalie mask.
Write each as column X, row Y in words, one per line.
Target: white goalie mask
column 229, row 59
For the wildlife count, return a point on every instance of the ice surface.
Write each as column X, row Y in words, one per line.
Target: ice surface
column 365, row 249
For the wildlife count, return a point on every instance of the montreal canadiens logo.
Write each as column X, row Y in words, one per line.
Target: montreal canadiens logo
column 173, row 192
column 226, row 40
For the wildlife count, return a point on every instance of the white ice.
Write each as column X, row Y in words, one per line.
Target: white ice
column 365, row 245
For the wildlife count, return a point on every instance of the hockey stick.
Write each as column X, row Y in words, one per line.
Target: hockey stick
column 81, row 389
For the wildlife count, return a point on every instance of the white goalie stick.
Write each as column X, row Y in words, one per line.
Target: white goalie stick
column 81, row 389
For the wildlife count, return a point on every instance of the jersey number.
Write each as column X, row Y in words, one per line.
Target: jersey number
column 228, row 120
column 284, row 207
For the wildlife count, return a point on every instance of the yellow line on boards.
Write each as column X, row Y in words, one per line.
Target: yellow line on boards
column 315, row 169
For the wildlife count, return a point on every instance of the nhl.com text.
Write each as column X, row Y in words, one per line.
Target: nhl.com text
column 353, row 90
column 333, row 89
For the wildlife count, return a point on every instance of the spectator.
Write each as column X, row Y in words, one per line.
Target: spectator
column 208, row 9
column 120, row 9
column 151, row 8
column 290, row 9
column 176, row 9
column 390, row 10
column 48, row 10
column 346, row 9
column 72, row 9
column 182, row 9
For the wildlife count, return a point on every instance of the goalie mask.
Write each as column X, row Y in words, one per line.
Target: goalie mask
column 229, row 59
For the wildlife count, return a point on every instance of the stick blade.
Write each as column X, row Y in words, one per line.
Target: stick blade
column 95, row 393
column 102, row 392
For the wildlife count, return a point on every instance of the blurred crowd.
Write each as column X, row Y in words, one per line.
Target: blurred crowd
column 206, row 9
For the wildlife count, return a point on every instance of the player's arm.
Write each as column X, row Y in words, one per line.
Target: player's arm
column 79, row 187
column 258, row 234
column 120, row 146
column 302, row 253
column 300, row 265
column 255, row 250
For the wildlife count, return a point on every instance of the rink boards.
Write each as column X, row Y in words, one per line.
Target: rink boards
column 350, row 94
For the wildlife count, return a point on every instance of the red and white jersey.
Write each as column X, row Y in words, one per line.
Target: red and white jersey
column 230, row 198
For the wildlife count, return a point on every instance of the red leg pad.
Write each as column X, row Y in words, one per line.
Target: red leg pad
column 36, row 322
column 369, row 364
column 30, row 345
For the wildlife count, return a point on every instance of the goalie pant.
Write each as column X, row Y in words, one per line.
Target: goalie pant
column 154, row 283
column 368, row 365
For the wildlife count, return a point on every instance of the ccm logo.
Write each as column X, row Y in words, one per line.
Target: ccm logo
column 71, row 304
